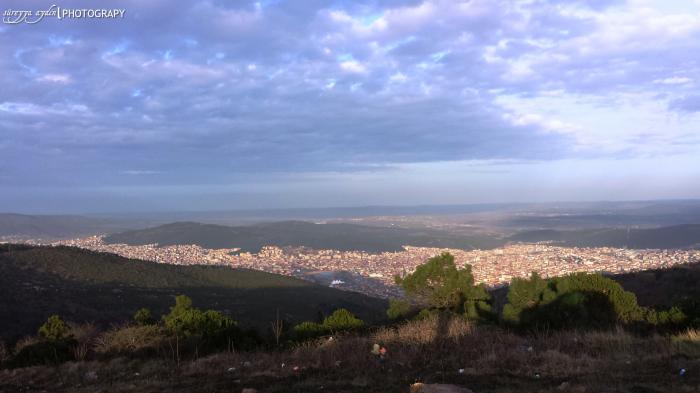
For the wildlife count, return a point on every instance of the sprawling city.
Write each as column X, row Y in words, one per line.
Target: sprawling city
column 373, row 274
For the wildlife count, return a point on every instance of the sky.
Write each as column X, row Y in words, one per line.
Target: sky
column 214, row 105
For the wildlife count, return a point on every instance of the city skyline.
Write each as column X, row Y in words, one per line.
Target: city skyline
column 276, row 104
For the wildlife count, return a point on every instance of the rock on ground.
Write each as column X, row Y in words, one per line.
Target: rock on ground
column 437, row 388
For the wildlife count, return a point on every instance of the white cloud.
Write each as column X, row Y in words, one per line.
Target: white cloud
column 139, row 172
column 398, row 77
column 27, row 108
column 55, row 78
column 675, row 80
column 545, row 124
column 353, row 66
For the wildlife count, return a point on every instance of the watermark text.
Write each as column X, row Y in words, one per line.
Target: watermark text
column 14, row 17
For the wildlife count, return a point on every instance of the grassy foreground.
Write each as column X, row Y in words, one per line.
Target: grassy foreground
column 434, row 350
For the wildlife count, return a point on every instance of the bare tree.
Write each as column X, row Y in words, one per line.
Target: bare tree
column 277, row 327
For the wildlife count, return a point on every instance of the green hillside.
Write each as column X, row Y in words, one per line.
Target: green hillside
column 104, row 288
column 338, row 236
column 677, row 236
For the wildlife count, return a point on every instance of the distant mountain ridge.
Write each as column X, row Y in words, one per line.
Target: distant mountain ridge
column 86, row 286
column 337, row 236
column 677, row 236
column 57, row 226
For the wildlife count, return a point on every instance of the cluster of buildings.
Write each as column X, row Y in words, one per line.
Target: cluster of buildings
column 373, row 273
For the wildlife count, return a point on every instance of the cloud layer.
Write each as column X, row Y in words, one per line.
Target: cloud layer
column 203, row 92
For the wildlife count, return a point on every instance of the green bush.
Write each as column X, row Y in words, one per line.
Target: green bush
column 307, row 330
column 479, row 309
column 524, row 294
column 439, row 284
column 204, row 329
column 428, row 313
column 398, row 309
column 54, row 329
column 580, row 300
column 342, row 320
column 144, row 317
column 186, row 320
column 666, row 318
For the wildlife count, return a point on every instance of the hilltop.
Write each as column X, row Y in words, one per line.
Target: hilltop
column 85, row 286
column 338, row 236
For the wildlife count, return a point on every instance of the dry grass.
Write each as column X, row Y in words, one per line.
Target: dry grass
column 130, row 340
column 85, row 333
column 424, row 331
column 482, row 358
column 25, row 342
column 688, row 342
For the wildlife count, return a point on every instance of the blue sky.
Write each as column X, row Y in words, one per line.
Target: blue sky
column 199, row 105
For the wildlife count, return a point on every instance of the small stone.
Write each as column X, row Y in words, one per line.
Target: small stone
column 437, row 388
column 249, row 390
column 91, row 376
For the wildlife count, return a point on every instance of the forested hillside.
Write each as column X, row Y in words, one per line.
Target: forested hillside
column 85, row 286
column 677, row 236
column 300, row 234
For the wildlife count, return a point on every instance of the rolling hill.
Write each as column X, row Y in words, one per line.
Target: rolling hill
column 81, row 285
column 338, row 236
column 677, row 236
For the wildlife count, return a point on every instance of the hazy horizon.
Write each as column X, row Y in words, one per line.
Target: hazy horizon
column 370, row 210
column 206, row 106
